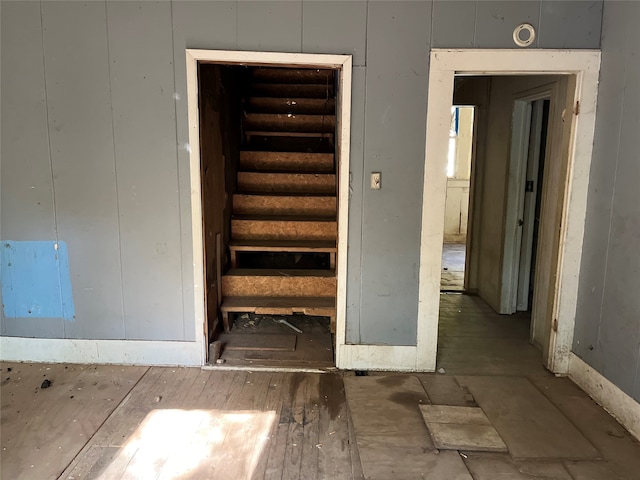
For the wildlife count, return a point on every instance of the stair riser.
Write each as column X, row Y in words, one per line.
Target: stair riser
column 313, row 106
column 289, row 123
column 283, row 230
column 286, row 161
column 292, row 90
column 290, row 75
column 286, row 182
column 270, row 286
column 274, row 205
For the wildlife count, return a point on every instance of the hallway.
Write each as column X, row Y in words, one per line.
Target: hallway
column 474, row 340
column 453, row 263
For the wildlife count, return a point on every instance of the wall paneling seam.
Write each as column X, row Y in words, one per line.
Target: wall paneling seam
column 115, row 171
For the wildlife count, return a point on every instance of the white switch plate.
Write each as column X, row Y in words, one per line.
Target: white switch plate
column 376, row 180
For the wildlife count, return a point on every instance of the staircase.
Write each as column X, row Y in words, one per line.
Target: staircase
column 285, row 205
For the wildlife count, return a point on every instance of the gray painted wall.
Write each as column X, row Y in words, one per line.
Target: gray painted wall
column 607, row 334
column 94, row 118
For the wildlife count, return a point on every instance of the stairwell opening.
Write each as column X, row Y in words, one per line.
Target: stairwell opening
column 269, row 183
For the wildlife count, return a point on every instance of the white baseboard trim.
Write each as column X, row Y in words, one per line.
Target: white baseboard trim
column 377, row 357
column 620, row 405
column 120, row 352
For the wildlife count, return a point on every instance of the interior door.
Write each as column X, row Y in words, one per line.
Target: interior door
column 529, row 206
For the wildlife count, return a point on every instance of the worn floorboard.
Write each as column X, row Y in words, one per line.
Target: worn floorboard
column 453, row 260
column 202, row 424
column 258, row 342
column 43, row 429
column 619, row 449
column 193, row 423
column 530, row 425
column 461, row 428
column 474, row 340
column 260, row 425
column 392, row 439
column 311, row 349
column 503, row 467
column 445, row 390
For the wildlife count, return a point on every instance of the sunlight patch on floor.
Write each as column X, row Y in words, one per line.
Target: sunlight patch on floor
column 182, row 443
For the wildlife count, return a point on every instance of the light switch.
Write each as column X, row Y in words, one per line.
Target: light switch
column 376, row 180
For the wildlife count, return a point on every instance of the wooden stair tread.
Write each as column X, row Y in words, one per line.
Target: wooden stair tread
column 287, row 182
column 231, row 303
column 286, row 162
column 284, row 205
column 296, row 75
column 298, row 116
column 315, row 106
column 322, row 245
column 290, row 122
column 265, row 133
column 298, row 155
column 302, row 90
column 284, row 228
column 288, row 194
column 292, row 176
column 285, row 218
column 283, row 171
column 282, row 272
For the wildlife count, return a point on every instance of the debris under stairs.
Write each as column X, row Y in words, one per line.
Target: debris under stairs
column 285, row 201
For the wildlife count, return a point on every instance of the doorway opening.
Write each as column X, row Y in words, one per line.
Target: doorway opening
column 492, row 243
column 456, row 211
column 519, row 128
column 271, row 146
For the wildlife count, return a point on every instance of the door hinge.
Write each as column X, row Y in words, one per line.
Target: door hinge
column 555, row 325
column 528, row 186
column 576, row 109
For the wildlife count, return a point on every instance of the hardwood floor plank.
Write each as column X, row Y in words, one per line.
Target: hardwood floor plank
column 295, row 436
column 334, row 454
column 310, row 426
column 272, row 403
column 393, row 442
column 278, row 440
column 43, row 429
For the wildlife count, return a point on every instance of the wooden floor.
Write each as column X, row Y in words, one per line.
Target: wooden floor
column 453, row 263
column 175, row 423
column 312, row 345
column 475, row 340
column 107, row 422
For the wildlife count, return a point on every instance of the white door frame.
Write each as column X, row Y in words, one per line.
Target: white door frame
column 444, row 65
column 519, row 151
column 343, row 129
column 530, row 199
column 518, row 163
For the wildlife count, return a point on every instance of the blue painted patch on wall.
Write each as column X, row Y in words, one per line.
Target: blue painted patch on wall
column 35, row 279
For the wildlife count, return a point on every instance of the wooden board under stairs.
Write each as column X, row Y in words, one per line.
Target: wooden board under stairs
column 255, row 227
column 315, row 106
column 287, row 182
column 288, row 122
column 258, row 342
column 239, row 282
column 287, row 161
column 271, row 204
column 286, row 90
column 263, row 305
